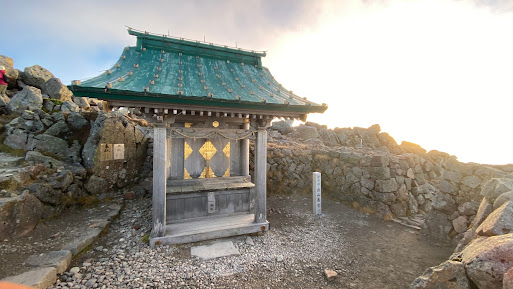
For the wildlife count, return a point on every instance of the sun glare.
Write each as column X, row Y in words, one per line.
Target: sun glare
column 436, row 73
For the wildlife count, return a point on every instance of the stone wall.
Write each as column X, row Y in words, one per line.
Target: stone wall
column 367, row 169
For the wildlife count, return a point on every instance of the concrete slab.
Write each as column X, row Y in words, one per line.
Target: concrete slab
column 60, row 260
column 81, row 242
column 216, row 250
column 39, row 278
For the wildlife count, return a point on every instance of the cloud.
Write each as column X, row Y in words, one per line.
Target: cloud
column 500, row 6
column 434, row 72
column 74, row 39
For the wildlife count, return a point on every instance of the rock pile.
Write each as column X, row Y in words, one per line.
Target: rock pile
column 483, row 258
column 368, row 169
column 60, row 138
column 461, row 202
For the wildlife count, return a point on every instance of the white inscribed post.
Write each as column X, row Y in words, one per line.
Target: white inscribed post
column 316, row 177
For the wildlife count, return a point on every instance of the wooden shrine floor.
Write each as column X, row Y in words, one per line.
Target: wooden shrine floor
column 210, row 228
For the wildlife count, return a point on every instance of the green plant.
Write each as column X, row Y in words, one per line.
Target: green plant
column 56, row 101
column 146, row 238
column 89, row 201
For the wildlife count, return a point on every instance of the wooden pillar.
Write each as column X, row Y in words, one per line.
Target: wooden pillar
column 261, row 176
column 159, row 180
column 244, row 154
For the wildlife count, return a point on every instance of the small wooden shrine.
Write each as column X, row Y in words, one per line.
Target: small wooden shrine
column 206, row 101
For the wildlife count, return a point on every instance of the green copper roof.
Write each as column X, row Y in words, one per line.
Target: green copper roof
column 171, row 70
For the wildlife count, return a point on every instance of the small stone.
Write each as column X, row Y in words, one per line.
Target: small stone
column 279, row 258
column 330, row 275
column 90, row 282
column 136, row 226
column 249, row 241
column 74, row 270
column 129, row 196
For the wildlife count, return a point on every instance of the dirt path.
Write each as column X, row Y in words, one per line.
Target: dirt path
column 365, row 252
column 378, row 254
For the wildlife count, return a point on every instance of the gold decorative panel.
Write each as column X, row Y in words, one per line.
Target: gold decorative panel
column 227, row 173
column 186, row 174
column 208, row 150
column 206, row 158
column 226, row 150
column 207, row 173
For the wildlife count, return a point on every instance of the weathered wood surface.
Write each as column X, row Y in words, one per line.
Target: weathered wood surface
column 244, row 154
column 220, row 161
column 159, row 181
column 176, row 158
column 208, row 187
column 210, row 228
column 195, row 163
column 261, row 176
column 235, row 158
column 169, row 144
column 206, row 182
column 187, row 206
column 196, row 132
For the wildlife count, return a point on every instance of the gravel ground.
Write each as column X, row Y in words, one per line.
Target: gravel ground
column 363, row 250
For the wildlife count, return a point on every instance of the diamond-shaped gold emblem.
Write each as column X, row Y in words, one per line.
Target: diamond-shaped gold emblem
column 208, row 150
column 226, row 150
column 207, row 173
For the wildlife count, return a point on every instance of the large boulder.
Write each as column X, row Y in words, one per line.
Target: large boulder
column 11, row 73
column 36, row 76
column 58, row 129
column 51, row 144
column 499, row 222
column 486, row 260
column 29, row 98
column 96, row 185
column 507, row 282
column 19, row 215
column 412, row 148
column 55, row 89
column 496, row 187
column 448, row 275
column 69, row 107
column 17, row 139
column 437, row 226
column 76, row 120
column 500, row 200
column 82, row 102
column 484, row 210
column 444, row 203
column 282, row 126
column 306, row 132
column 114, row 128
column 369, row 137
column 46, row 193
column 328, row 137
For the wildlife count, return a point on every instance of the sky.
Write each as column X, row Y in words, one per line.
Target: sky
column 433, row 72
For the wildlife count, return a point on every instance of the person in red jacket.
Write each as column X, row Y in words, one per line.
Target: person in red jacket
column 3, row 81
